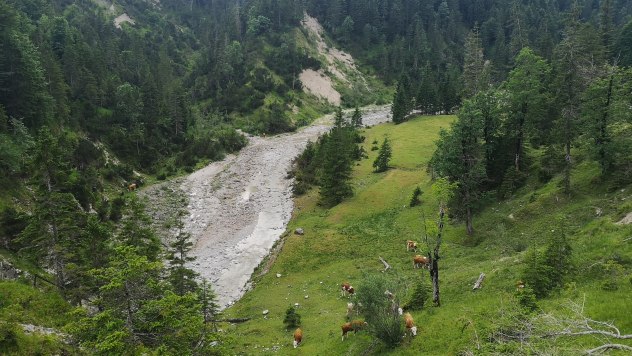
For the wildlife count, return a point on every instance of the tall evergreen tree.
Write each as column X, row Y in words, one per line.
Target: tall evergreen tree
column 182, row 279
column 402, row 101
column 528, row 98
column 383, row 157
column 475, row 71
column 460, row 157
column 356, row 118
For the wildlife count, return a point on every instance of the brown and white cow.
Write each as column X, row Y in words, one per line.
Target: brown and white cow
column 411, row 245
column 410, row 324
column 298, row 337
column 346, row 327
column 132, row 187
column 346, row 288
column 420, row 261
column 355, row 326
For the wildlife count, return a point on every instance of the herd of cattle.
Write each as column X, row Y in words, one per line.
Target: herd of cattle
column 346, row 289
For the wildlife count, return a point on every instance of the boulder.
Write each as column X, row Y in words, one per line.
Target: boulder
column 299, row 231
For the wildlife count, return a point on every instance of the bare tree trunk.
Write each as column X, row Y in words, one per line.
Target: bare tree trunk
column 469, row 226
column 603, row 124
column 434, row 262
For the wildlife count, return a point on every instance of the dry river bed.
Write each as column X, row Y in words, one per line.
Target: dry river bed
column 237, row 208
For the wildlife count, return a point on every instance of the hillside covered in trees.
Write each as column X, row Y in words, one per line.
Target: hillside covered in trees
column 100, row 98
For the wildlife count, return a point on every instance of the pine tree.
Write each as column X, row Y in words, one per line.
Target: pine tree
column 383, row 157
column 402, row 103
column 337, row 154
column 475, row 71
column 337, row 168
column 528, row 100
column 460, row 158
column 182, row 279
column 356, row 118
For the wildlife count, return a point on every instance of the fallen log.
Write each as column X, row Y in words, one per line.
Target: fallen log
column 386, row 265
column 233, row 320
column 479, row 282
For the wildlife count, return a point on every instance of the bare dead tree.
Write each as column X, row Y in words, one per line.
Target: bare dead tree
column 532, row 332
column 433, row 256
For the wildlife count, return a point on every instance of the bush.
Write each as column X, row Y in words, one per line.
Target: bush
column 8, row 336
column 527, row 299
column 548, row 271
column 414, row 200
column 292, row 318
column 380, row 312
column 419, row 297
column 512, row 180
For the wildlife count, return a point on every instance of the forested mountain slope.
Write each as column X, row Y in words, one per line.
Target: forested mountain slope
column 98, row 98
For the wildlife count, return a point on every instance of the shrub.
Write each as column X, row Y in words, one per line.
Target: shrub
column 548, row 270
column 292, row 318
column 420, row 296
column 414, row 200
column 380, row 312
column 527, row 299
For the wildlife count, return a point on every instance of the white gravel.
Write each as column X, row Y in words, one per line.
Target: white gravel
column 240, row 206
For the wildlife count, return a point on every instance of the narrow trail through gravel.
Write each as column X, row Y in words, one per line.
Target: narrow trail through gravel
column 238, row 207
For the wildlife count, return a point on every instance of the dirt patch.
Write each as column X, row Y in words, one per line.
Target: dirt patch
column 626, row 220
column 320, row 85
column 338, row 63
column 123, row 19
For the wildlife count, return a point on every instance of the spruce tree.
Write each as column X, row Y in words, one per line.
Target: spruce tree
column 383, row 157
column 337, row 167
column 356, row 118
column 402, row 103
column 181, row 278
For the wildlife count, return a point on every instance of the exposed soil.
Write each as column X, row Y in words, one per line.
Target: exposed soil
column 338, row 63
column 318, row 84
column 122, row 19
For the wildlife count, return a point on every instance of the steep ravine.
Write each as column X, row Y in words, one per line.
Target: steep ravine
column 238, row 207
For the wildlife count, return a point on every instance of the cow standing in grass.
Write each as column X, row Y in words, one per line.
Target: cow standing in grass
column 298, row 337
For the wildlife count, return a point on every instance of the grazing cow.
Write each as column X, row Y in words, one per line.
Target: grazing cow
column 344, row 288
column 358, row 325
column 411, row 245
column 346, row 327
column 410, row 324
column 519, row 285
column 132, row 187
column 347, row 288
column 298, row 337
column 421, row 261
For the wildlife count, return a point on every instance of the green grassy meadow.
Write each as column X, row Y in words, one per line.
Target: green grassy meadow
column 344, row 243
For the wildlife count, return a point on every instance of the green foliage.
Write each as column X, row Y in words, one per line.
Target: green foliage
column 292, row 319
column 181, row 277
column 548, row 270
column 414, row 199
column 137, row 310
column 402, row 101
column 420, row 295
column 383, row 157
column 384, row 321
column 460, row 158
column 356, row 118
column 527, row 299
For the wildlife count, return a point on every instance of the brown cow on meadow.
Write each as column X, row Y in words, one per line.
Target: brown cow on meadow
column 420, row 261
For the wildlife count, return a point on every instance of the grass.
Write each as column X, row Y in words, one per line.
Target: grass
column 344, row 243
